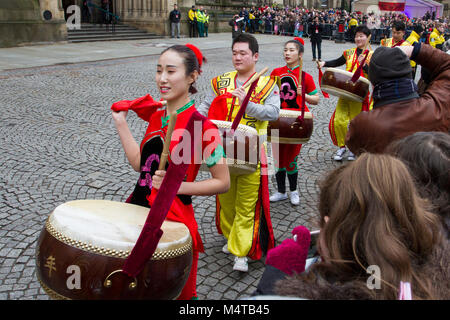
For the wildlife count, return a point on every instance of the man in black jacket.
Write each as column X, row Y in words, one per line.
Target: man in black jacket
column 174, row 17
column 315, row 31
column 237, row 23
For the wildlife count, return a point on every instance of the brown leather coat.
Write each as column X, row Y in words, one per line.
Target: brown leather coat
column 373, row 131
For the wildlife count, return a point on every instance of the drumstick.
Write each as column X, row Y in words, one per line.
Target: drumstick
column 165, row 152
column 367, row 43
column 254, row 77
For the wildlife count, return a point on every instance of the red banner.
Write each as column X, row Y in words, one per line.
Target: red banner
column 391, row 6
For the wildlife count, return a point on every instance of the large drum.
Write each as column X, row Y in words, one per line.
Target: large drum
column 84, row 244
column 288, row 130
column 338, row 83
column 241, row 149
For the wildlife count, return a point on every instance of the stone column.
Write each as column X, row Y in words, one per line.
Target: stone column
column 145, row 9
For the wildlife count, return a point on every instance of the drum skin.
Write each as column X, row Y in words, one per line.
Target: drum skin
column 290, row 130
column 338, row 83
column 162, row 278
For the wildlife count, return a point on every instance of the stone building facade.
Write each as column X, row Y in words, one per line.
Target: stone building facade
column 40, row 21
column 31, row 21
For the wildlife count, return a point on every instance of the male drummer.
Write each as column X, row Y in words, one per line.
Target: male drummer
column 243, row 215
column 347, row 109
column 398, row 34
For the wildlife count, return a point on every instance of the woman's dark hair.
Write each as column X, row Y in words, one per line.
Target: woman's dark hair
column 363, row 29
column 427, row 155
column 190, row 61
column 247, row 38
column 299, row 46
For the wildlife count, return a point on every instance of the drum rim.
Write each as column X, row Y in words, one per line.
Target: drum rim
column 287, row 113
column 241, row 127
column 49, row 291
column 348, row 73
column 89, row 247
column 346, row 94
column 289, row 140
column 73, row 237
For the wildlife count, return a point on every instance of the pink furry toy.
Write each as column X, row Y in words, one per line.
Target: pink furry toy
column 290, row 256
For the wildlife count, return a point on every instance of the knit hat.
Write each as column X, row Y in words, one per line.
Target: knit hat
column 388, row 64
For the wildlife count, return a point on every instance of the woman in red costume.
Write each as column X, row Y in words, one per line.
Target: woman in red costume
column 177, row 70
column 286, row 155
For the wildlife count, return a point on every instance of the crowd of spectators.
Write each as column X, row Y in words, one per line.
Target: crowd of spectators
column 296, row 21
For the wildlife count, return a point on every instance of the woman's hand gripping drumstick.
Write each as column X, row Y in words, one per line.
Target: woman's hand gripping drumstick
column 240, row 92
column 158, row 177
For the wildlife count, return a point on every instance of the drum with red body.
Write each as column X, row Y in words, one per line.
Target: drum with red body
column 338, row 83
column 241, row 148
column 287, row 129
column 84, row 244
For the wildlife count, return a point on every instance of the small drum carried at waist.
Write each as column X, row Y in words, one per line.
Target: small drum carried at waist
column 288, row 130
column 241, row 149
column 84, row 244
column 338, row 83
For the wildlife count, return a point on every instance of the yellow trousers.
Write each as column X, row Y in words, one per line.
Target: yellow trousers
column 345, row 111
column 237, row 212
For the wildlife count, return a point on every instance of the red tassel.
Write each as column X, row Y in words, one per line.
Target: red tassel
column 143, row 106
column 219, row 109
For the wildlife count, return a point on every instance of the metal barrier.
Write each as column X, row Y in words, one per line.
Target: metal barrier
column 329, row 31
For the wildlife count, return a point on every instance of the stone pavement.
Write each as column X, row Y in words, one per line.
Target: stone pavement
column 58, row 143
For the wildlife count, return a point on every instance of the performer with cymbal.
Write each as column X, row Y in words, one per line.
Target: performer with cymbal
column 243, row 215
column 177, row 70
column 291, row 86
column 346, row 110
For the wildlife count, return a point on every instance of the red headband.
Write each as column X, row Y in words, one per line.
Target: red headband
column 197, row 53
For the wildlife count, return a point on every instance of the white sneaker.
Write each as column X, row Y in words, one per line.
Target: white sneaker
column 240, row 264
column 351, row 156
column 339, row 154
column 278, row 197
column 295, row 198
column 225, row 248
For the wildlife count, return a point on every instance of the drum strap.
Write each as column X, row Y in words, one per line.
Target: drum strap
column 303, row 76
column 151, row 232
column 358, row 71
column 241, row 111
